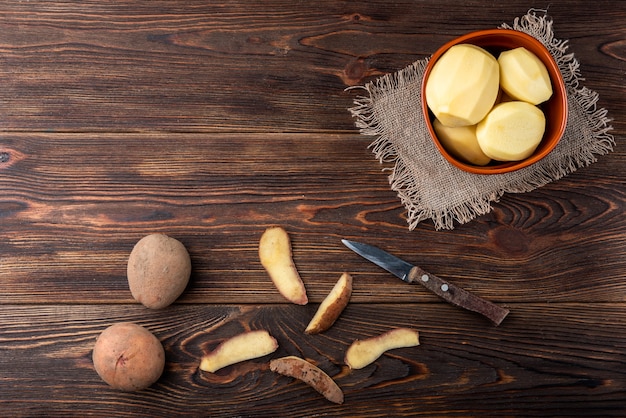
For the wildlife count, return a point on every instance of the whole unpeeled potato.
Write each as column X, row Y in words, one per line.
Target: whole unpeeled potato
column 128, row 357
column 158, row 270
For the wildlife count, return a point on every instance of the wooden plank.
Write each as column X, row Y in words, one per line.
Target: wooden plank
column 73, row 206
column 246, row 66
column 535, row 364
column 211, row 121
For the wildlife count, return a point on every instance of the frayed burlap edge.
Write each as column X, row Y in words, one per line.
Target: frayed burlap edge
column 573, row 154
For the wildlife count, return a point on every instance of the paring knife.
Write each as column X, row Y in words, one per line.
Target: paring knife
column 413, row 274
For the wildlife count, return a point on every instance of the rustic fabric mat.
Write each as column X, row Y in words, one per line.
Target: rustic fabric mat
column 429, row 186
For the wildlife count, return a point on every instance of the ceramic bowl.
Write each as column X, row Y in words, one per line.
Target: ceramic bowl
column 555, row 109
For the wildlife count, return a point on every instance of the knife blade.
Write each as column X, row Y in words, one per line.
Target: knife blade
column 442, row 288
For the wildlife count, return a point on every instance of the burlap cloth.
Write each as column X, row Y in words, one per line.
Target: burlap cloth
column 429, row 186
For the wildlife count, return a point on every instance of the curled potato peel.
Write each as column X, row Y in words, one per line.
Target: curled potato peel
column 245, row 346
column 364, row 352
column 310, row 374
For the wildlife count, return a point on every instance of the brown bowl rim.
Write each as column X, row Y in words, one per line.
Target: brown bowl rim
column 558, row 86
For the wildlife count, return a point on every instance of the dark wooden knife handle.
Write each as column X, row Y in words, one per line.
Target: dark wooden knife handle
column 457, row 296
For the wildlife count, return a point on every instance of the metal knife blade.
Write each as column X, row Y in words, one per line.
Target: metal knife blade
column 413, row 274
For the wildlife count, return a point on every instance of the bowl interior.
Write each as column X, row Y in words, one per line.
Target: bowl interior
column 555, row 109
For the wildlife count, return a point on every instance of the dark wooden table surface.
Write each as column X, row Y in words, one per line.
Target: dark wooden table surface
column 211, row 121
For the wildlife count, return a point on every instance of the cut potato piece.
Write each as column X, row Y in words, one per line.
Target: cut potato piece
column 310, row 374
column 245, row 346
column 364, row 352
column 511, row 131
column 276, row 258
column 461, row 142
column 463, row 85
column 332, row 306
column 524, row 77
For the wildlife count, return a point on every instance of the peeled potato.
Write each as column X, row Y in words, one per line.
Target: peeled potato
column 523, row 76
column 511, row 131
column 461, row 142
column 463, row 85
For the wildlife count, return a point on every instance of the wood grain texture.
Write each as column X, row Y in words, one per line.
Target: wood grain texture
column 468, row 367
column 107, row 191
column 209, row 122
column 246, row 66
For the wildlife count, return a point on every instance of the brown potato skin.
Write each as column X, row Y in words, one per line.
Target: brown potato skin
column 128, row 357
column 310, row 374
column 158, row 270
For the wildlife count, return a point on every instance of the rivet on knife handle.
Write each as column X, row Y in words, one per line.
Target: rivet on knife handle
column 457, row 296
